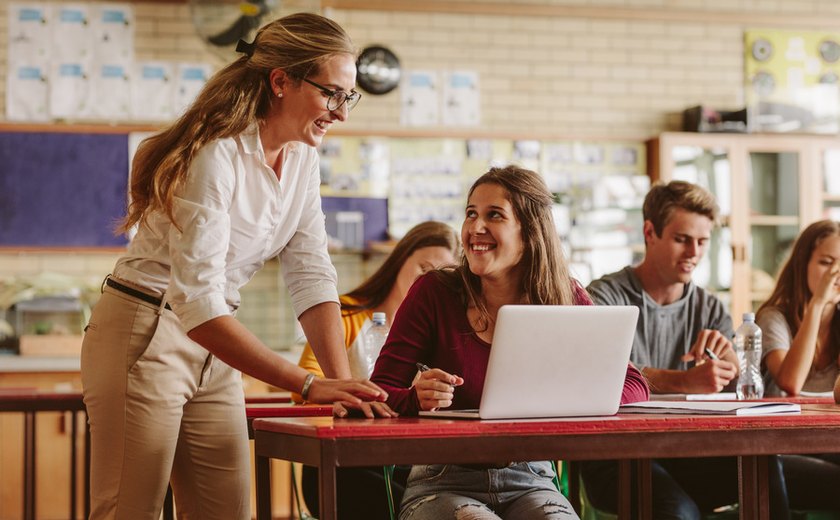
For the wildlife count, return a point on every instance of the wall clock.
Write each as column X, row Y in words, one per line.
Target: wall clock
column 378, row 70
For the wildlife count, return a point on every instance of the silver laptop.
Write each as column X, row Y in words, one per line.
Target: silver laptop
column 554, row 361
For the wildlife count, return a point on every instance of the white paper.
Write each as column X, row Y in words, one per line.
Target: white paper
column 191, row 78
column 711, row 407
column 152, row 91
column 29, row 33
column 113, row 32
column 420, row 98
column 26, row 92
column 110, row 92
column 461, row 99
column 72, row 37
column 69, row 90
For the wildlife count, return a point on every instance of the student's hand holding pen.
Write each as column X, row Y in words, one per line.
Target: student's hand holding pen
column 715, row 363
column 435, row 388
column 711, row 345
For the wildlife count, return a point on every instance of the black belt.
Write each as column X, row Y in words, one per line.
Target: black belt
column 110, row 282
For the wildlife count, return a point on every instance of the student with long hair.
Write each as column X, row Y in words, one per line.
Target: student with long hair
column 232, row 183
column 426, row 246
column 800, row 349
column 512, row 255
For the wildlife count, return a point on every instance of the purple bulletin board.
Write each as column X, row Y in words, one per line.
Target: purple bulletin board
column 62, row 189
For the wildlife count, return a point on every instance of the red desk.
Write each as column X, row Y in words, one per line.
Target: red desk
column 329, row 443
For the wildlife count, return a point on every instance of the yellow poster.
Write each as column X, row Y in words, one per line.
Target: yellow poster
column 791, row 80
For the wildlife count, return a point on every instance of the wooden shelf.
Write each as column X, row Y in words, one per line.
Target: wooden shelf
column 774, row 220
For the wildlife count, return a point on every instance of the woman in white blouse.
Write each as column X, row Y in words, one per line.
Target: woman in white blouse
column 800, row 349
column 232, row 183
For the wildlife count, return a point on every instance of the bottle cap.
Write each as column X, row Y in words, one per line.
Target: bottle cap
column 749, row 316
column 380, row 318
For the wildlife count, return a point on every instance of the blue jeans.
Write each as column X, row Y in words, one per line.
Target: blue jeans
column 519, row 491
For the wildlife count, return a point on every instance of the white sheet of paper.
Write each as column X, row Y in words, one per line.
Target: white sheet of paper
column 420, row 98
column 26, row 92
column 110, row 92
column 69, row 90
column 152, row 91
column 29, row 33
column 461, row 98
column 113, row 32
column 72, row 37
column 191, row 78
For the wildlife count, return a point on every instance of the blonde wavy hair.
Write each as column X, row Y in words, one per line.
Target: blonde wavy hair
column 234, row 98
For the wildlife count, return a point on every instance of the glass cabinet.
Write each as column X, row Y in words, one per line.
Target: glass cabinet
column 768, row 187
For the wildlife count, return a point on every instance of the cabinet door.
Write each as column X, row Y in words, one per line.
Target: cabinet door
column 774, row 215
column 830, row 181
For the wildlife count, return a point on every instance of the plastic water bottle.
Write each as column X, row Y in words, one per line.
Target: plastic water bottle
column 748, row 348
column 374, row 339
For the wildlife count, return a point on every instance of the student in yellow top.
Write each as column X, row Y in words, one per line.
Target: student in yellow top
column 426, row 246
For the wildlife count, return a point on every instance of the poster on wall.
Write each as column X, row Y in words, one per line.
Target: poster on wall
column 791, row 80
column 420, row 98
column 28, row 63
column 461, row 98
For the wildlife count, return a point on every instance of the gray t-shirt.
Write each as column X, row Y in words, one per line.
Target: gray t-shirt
column 664, row 333
column 776, row 335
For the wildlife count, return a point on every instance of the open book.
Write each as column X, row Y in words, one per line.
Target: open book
column 711, row 407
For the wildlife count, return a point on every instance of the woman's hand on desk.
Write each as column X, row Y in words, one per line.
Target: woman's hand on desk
column 352, row 391
column 369, row 409
column 436, row 388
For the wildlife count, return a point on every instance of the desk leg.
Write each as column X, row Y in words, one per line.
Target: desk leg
column 753, row 487
column 644, row 489
column 29, row 466
column 327, row 492
column 262, row 468
column 573, row 475
column 625, row 471
column 87, row 466
column 74, row 430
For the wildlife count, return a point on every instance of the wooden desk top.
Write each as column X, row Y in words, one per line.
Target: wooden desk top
column 255, row 410
column 812, row 416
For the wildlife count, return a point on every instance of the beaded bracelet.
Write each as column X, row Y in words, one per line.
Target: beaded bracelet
column 304, row 392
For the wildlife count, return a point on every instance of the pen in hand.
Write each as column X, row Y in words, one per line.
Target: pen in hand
column 711, row 354
column 422, row 368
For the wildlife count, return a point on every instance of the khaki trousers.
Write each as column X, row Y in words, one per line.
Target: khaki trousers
column 161, row 408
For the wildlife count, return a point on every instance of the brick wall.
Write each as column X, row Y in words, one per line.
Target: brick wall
column 561, row 67
column 572, row 68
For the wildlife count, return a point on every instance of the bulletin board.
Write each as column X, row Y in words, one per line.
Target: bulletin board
column 62, row 189
column 792, row 80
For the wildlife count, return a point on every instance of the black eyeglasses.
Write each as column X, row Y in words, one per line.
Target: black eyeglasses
column 336, row 98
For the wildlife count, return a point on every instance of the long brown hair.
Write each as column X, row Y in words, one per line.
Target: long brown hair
column 792, row 294
column 545, row 279
column 234, row 98
column 376, row 288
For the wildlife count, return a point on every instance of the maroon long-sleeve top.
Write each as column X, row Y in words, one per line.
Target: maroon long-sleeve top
column 431, row 327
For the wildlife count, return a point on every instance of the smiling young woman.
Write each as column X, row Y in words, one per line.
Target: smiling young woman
column 229, row 185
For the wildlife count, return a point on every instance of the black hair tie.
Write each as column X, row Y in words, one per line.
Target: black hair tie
column 245, row 48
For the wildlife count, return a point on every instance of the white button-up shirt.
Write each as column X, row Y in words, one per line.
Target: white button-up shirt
column 235, row 215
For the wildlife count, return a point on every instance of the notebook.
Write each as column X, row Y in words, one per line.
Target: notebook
column 712, row 407
column 554, row 361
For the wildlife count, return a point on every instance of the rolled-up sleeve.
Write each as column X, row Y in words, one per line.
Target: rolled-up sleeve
column 307, row 269
column 198, row 251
